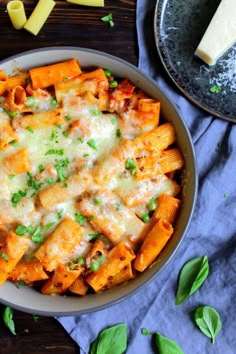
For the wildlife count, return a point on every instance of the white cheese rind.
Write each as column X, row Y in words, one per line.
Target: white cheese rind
column 220, row 34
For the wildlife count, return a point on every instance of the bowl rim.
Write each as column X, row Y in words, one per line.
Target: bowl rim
column 145, row 282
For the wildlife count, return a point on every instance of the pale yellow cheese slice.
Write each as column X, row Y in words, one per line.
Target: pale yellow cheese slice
column 220, row 34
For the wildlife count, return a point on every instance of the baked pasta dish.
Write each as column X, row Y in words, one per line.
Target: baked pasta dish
column 89, row 179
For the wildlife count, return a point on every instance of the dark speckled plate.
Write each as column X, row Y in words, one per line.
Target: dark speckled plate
column 179, row 25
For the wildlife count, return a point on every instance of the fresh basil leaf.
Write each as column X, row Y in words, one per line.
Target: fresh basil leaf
column 8, row 319
column 112, row 340
column 166, row 346
column 208, row 320
column 191, row 277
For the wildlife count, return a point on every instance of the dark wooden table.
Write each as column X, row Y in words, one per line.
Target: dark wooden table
column 68, row 25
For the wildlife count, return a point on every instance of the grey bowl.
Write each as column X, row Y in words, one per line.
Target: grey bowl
column 27, row 299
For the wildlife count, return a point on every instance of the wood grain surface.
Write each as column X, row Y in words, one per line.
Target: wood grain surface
column 68, row 25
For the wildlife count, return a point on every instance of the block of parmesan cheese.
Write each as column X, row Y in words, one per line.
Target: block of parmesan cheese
column 220, row 34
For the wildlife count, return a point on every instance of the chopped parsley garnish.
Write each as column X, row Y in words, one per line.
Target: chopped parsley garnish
column 13, row 142
column 10, row 177
column 215, row 89
column 59, row 152
column 31, row 101
column 22, row 230
column 80, row 219
column 16, row 197
column 65, row 133
column 48, row 226
column 67, row 117
column 29, row 130
column 95, row 112
column 92, row 144
column 59, row 214
column 108, row 18
column 131, row 166
column 97, row 200
column 60, row 167
column 48, row 180
column 54, row 136
column 146, row 218
column 80, row 139
column 118, row 133
column 4, row 256
column 41, row 168
column 37, row 236
column 113, row 120
column 93, row 236
column 12, row 114
column 80, row 260
column 32, row 182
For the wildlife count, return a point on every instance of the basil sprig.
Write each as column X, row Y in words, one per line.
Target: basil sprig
column 166, row 346
column 208, row 321
column 191, row 277
column 112, row 340
column 8, row 319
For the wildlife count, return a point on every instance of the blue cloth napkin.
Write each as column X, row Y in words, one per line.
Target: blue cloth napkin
column 212, row 233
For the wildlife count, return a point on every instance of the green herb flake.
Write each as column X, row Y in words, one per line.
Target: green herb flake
column 112, row 340
column 10, row 177
column 29, row 130
column 60, row 168
column 48, row 226
column 13, row 142
column 108, row 18
column 97, row 200
column 131, row 166
column 35, row 318
column 113, row 120
column 65, row 79
column 67, row 117
column 48, row 180
column 165, row 345
column 4, row 256
column 12, row 114
column 80, row 260
column 93, row 236
column 95, row 112
column 8, row 319
column 92, row 144
column 30, row 101
column 54, row 136
column 80, row 140
column 59, row 152
column 37, row 236
column 58, row 125
column 31, row 182
column 145, row 332
column 208, row 321
column 16, row 197
column 118, row 133
column 41, row 168
column 59, row 214
column 21, row 230
column 215, row 89
column 191, row 277
column 65, row 133
column 80, row 219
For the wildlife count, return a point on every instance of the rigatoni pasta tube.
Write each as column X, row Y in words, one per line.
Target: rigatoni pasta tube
column 39, row 16
column 17, row 162
column 118, row 258
column 167, row 208
column 11, row 252
column 61, row 279
column 152, row 245
column 98, row 3
column 39, row 120
column 16, row 12
column 57, row 246
column 28, row 272
column 49, row 75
